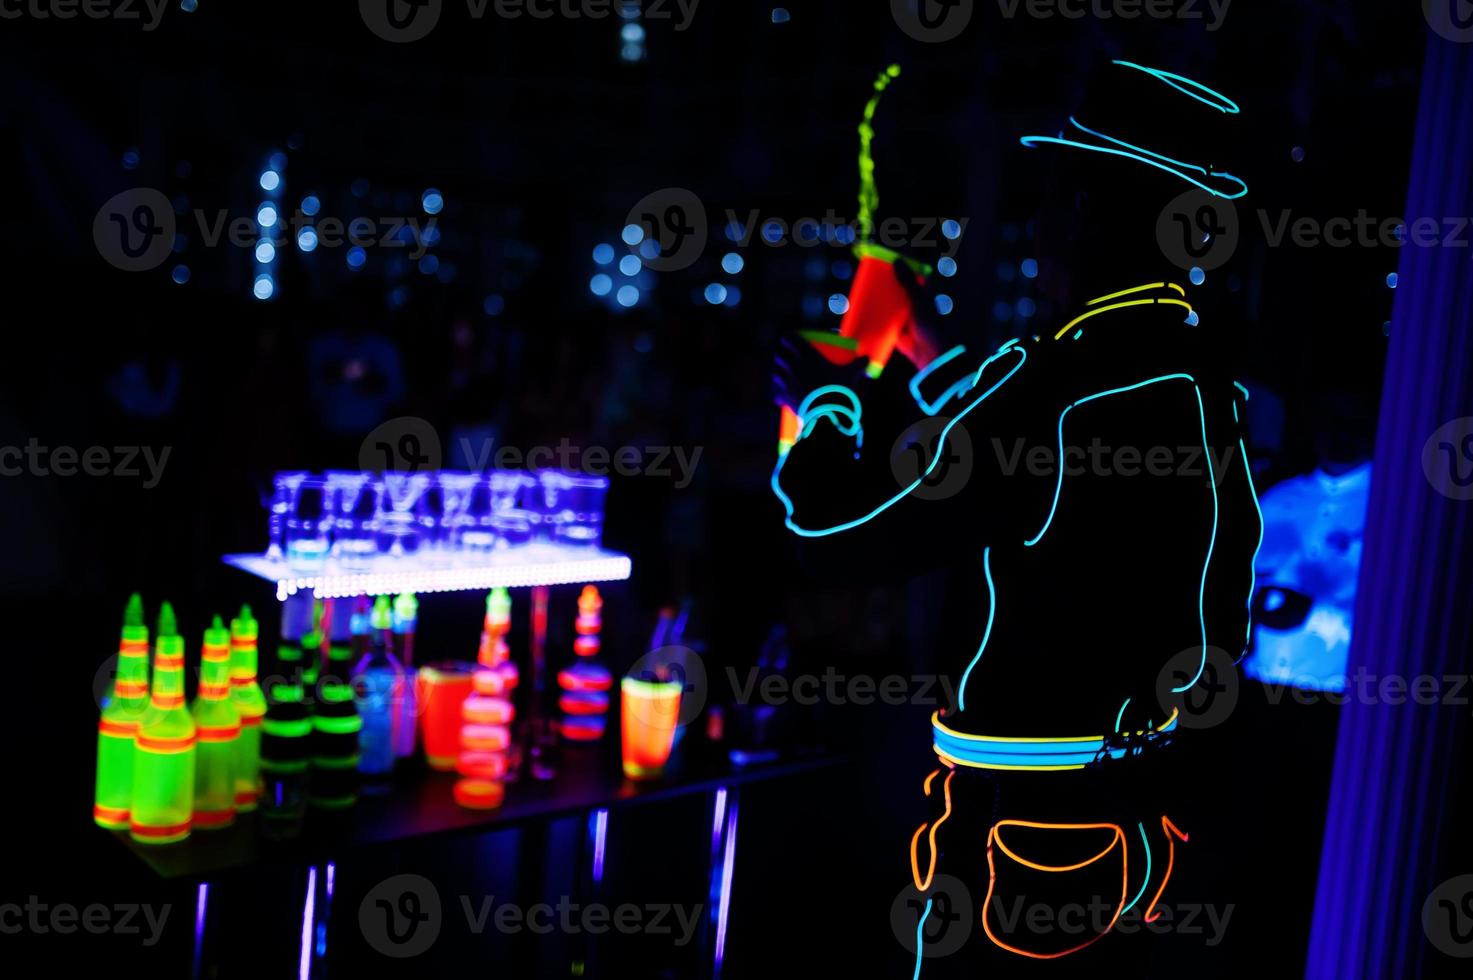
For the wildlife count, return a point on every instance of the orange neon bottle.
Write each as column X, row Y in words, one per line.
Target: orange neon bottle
column 119, row 724
column 164, row 755
column 217, row 725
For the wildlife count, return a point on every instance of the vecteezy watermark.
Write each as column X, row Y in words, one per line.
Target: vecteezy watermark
column 1447, row 917
column 149, row 13
column 402, row 21
column 1101, row 459
column 933, row 20
column 34, row 459
column 1199, row 687
column 941, row 919
column 64, row 919
column 832, row 687
column 915, row 463
column 676, row 219
column 1365, row 687
column 411, row 444
column 1198, row 230
column 136, row 230
column 1451, row 19
column 1211, row 11
column 403, row 916
column 1447, row 459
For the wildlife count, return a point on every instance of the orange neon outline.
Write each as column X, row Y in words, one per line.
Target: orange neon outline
column 992, row 836
column 1169, row 828
column 915, row 865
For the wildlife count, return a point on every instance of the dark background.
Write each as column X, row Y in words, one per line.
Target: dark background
column 541, row 138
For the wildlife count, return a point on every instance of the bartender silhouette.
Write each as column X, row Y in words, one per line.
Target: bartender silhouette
column 1109, row 504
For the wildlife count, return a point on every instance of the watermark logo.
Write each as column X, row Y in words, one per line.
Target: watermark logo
column 134, row 230
column 939, row 919
column 1212, row 11
column 933, row 21
column 914, row 459
column 408, row 443
column 1201, row 686
column 674, row 663
column 1451, row 19
column 675, row 218
column 1447, row 917
column 401, row 21
column 129, row 462
column 1198, row 230
column 1447, row 459
column 40, row 918
column 149, row 12
column 400, row 916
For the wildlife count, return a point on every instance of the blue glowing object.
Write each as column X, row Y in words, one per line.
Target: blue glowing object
column 649, row 249
column 1391, row 280
column 603, row 253
column 311, row 205
column 732, row 263
column 951, row 228
column 632, row 33
column 1305, row 576
column 780, row 15
column 130, row 159
column 1026, row 307
column 189, row 7
column 627, row 296
column 307, row 240
column 180, row 274
column 632, row 235
column 838, row 304
column 1188, row 86
column 1029, row 268
column 1129, row 151
column 630, row 265
column 266, row 216
column 944, row 304
column 601, row 284
column 264, row 287
column 277, row 161
column 1197, row 276
column 493, row 304
column 946, row 266
column 961, row 387
column 733, row 295
column 265, row 252
column 432, row 201
column 986, row 634
column 772, row 232
column 270, row 180
column 356, row 257
column 715, row 294
column 429, row 265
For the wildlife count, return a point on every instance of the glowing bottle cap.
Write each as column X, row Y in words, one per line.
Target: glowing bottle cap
column 383, row 614
column 133, row 615
column 498, row 604
column 168, row 625
column 406, row 608
column 217, row 635
column 245, row 625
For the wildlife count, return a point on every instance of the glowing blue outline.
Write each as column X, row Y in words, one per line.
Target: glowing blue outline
column 1141, row 155
column 1121, row 713
column 1147, row 879
column 1212, row 482
column 987, row 633
column 920, row 942
column 1244, row 390
column 809, row 421
column 960, row 388
column 787, row 501
column 1171, row 78
column 1253, row 580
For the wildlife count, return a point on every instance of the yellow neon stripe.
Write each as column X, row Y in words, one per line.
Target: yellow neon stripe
column 936, row 722
column 1137, row 289
column 1121, row 305
column 999, row 765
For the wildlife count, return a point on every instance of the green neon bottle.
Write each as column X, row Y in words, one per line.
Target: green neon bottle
column 335, row 729
column 118, row 726
column 164, row 754
column 285, row 747
column 217, row 725
column 245, row 694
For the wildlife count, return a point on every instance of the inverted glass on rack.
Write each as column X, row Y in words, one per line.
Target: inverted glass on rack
column 353, row 500
column 398, row 528
column 570, row 507
column 307, row 528
column 283, row 502
column 456, row 489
